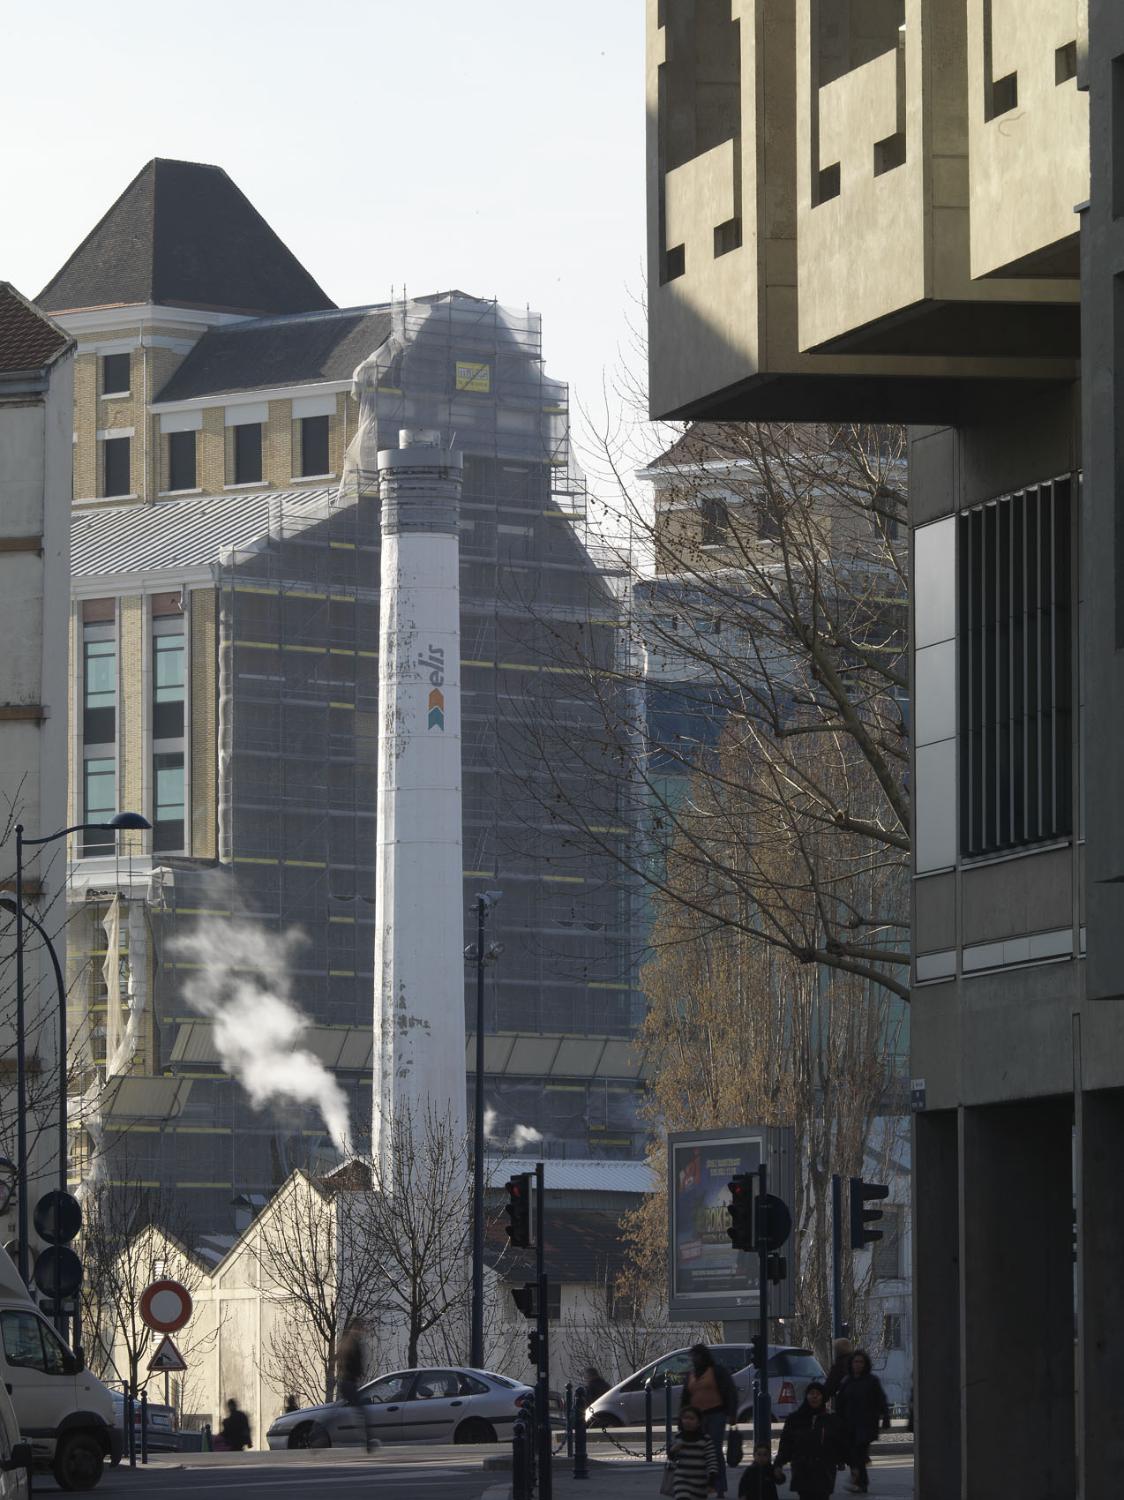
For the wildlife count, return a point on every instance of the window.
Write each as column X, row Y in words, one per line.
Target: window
column 1013, row 607
column 892, row 1331
column 715, row 521
column 886, row 1253
column 388, row 1388
column 99, row 802
column 181, row 460
column 168, row 801
column 115, row 466
column 99, row 685
column 167, row 680
column 436, row 1385
column 115, row 375
column 314, row 446
column 247, row 453
column 31, row 1344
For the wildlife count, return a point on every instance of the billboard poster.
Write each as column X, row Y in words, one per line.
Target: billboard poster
column 708, row 1277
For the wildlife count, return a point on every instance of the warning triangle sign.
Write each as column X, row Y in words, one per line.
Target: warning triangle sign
column 167, row 1358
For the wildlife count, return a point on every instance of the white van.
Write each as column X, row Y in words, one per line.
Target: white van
column 64, row 1413
column 15, row 1454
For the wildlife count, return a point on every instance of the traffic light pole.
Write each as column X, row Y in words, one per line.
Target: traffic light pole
column 542, row 1385
column 762, row 1406
column 836, row 1256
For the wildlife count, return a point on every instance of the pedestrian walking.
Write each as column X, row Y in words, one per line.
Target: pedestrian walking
column 235, row 1427
column 694, row 1459
column 349, row 1364
column 759, row 1482
column 710, row 1389
column 862, row 1405
column 841, row 1351
column 595, row 1384
column 814, row 1443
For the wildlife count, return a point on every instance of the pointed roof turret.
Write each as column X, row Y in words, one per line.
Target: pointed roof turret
column 182, row 234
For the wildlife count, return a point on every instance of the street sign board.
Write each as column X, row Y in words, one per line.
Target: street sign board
column 708, row 1280
column 167, row 1360
column 165, row 1306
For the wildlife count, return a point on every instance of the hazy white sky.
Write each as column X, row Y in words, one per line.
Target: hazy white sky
column 492, row 145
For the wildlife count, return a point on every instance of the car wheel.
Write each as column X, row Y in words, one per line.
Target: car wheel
column 475, row 1430
column 79, row 1461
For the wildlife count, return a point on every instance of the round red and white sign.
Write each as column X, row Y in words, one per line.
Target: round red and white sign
column 165, row 1306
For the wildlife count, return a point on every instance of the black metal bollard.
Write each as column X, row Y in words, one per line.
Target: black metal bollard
column 569, row 1419
column 520, row 1478
column 648, row 1420
column 581, row 1457
column 667, row 1412
column 144, row 1427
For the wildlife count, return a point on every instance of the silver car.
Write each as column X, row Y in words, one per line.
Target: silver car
column 410, row 1406
column 790, row 1370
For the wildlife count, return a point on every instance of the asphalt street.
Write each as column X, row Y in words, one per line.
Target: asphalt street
column 436, row 1477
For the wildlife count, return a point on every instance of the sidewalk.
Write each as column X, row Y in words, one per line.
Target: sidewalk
column 891, row 1478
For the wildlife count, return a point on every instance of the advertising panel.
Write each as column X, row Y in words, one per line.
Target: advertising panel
column 708, row 1278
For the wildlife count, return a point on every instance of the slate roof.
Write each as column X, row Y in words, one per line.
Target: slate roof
column 182, row 234
column 188, row 533
column 262, row 353
column 29, row 340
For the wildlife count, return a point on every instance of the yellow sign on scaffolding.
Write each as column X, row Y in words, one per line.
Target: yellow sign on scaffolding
column 473, row 376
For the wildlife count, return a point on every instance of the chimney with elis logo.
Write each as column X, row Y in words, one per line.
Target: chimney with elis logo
column 419, row 1042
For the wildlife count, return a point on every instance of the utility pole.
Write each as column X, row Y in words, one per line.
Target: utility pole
column 836, row 1256
column 762, row 1407
column 542, row 1387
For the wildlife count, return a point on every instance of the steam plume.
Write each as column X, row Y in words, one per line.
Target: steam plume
column 242, row 986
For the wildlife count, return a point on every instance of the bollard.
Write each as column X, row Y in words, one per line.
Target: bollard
column 581, row 1463
column 667, row 1412
column 569, row 1419
column 520, row 1480
column 648, row 1420
column 144, row 1427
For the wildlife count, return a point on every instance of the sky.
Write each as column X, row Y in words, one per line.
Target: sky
column 495, row 146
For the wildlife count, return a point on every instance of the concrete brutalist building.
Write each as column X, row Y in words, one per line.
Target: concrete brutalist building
column 912, row 210
column 224, row 650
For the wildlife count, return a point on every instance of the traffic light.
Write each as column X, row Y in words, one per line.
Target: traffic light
column 518, row 1210
column 776, row 1268
column 861, row 1216
column 526, row 1299
column 740, row 1209
column 757, row 1344
column 533, row 1347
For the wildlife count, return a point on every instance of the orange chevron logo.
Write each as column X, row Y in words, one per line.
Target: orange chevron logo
column 437, row 709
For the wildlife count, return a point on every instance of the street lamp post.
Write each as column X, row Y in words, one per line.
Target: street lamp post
column 482, row 955
column 118, row 824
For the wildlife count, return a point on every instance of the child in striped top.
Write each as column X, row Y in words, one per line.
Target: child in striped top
column 696, row 1467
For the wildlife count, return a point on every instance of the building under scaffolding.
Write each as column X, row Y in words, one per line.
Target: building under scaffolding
column 226, row 676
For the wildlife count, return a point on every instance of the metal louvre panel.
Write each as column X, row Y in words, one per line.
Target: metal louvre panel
column 1015, row 673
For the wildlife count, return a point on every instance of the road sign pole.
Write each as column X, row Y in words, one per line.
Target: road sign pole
column 542, row 1397
column 836, row 1256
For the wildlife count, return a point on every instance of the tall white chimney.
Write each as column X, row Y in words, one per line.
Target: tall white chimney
column 419, row 1051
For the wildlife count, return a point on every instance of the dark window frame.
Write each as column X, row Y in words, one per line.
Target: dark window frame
column 320, row 445
column 116, row 467
column 168, row 833
column 183, row 461
column 248, row 453
column 111, row 363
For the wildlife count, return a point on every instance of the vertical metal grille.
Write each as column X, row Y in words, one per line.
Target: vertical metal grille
column 1015, row 676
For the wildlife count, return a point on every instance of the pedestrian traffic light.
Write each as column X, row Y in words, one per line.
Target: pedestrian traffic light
column 518, row 1210
column 776, row 1268
column 533, row 1347
column 526, row 1299
column 740, row 1209
column 861, row 1216
column 757, row 1344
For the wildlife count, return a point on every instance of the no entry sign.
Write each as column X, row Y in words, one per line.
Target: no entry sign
column 165, row 1306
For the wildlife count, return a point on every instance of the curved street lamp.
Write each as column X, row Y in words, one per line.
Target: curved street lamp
column 120, row 823
column 481, row 954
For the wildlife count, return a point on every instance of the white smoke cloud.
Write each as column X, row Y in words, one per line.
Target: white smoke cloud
column 243, row 987
column 521, row 1135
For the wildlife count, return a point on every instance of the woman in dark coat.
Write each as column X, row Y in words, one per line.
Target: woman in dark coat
column 861, row 1403
column 814, row 1442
